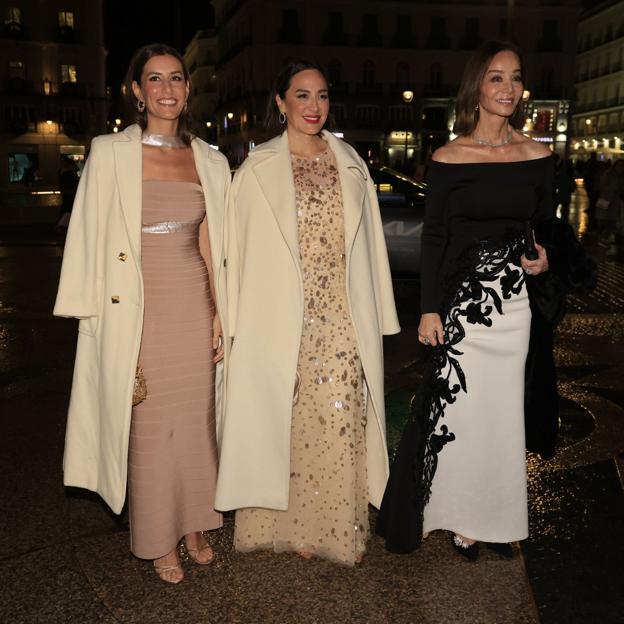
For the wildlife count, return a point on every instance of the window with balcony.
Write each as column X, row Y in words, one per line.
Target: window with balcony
column 502, row 28
column 609, row 33
column 435, row 76
column 472, row 37
column 66, row 19
column 402, row 74
column 13, row 22
column 549, row 40
column 17, row 76
column 17, row 69
column 69, row 74
column 369, row 37
column 290, row 32
column 437, row 38
column 404, row 37
column 66, row 32
column 335, row 34
column 334, row 74
column 368, row 74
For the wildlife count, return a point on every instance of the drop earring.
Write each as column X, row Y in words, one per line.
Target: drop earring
column 282, row 118
column 140, row 106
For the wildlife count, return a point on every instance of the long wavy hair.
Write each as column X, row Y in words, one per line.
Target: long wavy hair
column 466, row 107
column 281, row 85
column 134, row 73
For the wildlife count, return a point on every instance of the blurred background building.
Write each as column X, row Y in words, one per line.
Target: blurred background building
column 598, row 120
column 394, row 66
column 53, row 86
column 201, row 57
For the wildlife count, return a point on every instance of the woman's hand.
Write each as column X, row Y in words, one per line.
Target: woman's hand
column 535, row 267
column 217, row 339
column 430, row 330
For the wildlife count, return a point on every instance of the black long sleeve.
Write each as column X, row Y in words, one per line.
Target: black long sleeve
column 470, row 202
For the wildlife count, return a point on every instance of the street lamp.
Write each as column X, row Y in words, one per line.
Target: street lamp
column 407, row 96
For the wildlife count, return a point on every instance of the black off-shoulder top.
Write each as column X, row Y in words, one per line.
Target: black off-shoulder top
column 469, row 202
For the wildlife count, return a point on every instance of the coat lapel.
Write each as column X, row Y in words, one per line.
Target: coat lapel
column 211, row 176
column 353, row 178
column 274, row 174
column 129, row 176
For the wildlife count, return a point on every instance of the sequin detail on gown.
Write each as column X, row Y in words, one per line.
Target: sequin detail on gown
column 328, row 499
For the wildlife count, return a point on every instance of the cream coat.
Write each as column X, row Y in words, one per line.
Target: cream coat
column 265, row 307
column 101, row 265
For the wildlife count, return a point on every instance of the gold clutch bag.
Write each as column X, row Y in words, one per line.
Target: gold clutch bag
column 139, row 392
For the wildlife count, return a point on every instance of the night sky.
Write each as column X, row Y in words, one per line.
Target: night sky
column 129, row 24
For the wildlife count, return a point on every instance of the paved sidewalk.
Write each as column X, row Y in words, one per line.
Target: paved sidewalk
column 65, row 557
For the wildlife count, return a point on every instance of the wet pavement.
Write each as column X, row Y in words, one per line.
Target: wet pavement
column 65, row 557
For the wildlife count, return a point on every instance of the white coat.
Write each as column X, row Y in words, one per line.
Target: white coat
column 101, row 284
column 265, row 309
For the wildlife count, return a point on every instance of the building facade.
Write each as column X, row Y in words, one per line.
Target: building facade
column 598, row 119
column 200, row 57
column 374, row 51
column 53, row 83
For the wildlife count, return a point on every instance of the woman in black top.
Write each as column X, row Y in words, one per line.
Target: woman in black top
column 461, row 462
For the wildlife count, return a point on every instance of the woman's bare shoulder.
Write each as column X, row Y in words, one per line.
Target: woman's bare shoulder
column 452, row 152
column 532, row 149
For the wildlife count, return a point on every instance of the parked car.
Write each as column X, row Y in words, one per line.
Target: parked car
column 402, row 206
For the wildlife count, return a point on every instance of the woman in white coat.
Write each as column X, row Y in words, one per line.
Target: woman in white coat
column 145, row 294
column 309, row 297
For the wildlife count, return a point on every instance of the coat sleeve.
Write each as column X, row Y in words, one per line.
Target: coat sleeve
column 381, row 267
column 232, row 259
column 79, row 286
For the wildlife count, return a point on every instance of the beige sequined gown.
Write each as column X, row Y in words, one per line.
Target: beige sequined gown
column 328, row 500
column 172, row 463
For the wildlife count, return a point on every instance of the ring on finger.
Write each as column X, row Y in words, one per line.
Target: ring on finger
column 427, row 341
column 528, row 271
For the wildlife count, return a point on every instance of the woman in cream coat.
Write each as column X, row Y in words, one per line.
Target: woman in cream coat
column 104, row 283
column 269, row 273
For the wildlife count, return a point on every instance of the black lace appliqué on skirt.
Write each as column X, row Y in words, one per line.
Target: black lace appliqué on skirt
column 468, row 298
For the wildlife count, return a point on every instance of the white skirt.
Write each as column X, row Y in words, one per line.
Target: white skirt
column 478, row 487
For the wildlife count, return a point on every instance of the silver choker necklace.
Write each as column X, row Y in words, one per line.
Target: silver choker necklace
column 505, row 141
column 161, row 140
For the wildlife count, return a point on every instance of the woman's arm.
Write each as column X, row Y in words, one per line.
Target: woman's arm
column 434, row 239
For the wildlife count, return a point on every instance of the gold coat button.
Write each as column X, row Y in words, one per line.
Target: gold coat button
column 122, row 256
column 115, row 299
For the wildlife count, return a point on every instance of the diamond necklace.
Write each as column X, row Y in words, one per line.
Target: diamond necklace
column 506, row 140
column 161, row 140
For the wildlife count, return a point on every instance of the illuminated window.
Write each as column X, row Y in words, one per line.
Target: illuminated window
column 66, row 19
column 13, row 16
column 69, row 73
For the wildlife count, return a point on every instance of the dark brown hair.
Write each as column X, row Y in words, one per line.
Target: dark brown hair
column 466, row 111
column 134, row 73
column 282, row 84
